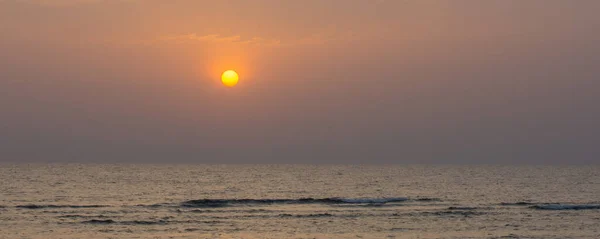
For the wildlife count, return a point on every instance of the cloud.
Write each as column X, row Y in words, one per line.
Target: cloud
column 316, row 39
column 219, row 39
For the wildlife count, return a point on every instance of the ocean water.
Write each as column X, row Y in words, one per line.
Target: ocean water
column 298, row 201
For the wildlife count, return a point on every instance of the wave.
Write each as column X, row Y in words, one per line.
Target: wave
column 96, row 221
column 566, row 206
column 34, row 206
column 251, row 211
column 213, row 203
column 427, row 199
column 160, row 222
column 516, row 203
column 462, row 208
column 307, row 215
column 452, row 213
column 81, row 216
column 368, row 200
column 554, row 206
column 110, row 221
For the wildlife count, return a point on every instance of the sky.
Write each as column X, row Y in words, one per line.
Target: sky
column 321, row 81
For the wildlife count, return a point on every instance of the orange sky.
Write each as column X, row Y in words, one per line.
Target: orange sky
column 345, row 80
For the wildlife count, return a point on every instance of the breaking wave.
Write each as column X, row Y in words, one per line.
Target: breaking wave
column 212, row 203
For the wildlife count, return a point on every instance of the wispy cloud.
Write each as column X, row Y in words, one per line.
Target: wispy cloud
column 216, row 38
column 257, row 41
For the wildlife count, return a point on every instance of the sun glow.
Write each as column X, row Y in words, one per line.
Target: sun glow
column 230, row 78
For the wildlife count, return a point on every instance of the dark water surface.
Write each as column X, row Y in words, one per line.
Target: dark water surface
column 292, row 201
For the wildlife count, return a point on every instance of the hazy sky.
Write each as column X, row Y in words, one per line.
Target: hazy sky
column 326, row 81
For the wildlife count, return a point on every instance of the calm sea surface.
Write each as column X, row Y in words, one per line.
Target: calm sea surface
column 289, row 201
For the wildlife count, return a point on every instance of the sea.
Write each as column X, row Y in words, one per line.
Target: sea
column 298, row 201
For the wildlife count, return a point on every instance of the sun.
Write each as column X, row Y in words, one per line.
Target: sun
column 230, row 78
